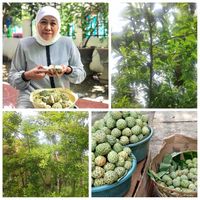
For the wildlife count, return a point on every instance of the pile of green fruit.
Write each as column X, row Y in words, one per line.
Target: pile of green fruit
column 176, row 173
column 110, row 163
column 111, row 159
column 128, row 127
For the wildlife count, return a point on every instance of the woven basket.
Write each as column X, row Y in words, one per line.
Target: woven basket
column 174, row 143
column 167, row 192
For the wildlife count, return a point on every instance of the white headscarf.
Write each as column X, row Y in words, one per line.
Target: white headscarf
column 47, row 11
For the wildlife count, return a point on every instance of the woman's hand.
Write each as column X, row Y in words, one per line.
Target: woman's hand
column 59, row 72
column 66, row 69
column 36, row 73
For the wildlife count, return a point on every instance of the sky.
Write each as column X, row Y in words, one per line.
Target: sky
column 115, row 12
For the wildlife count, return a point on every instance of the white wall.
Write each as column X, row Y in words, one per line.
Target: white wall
column 9, row 46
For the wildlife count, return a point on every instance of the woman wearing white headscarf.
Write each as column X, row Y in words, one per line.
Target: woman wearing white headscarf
column 46, row 48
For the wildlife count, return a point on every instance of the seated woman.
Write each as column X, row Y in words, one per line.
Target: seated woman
column 28, row 68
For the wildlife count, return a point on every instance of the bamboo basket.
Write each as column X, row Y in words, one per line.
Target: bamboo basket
column 174, row 143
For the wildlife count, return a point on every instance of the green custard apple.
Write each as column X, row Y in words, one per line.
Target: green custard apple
column 121, row 124
column 113, row 157
column 103, row 149
column 110, row 177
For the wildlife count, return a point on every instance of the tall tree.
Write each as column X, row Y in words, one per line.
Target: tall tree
column 48, row 157
column 157, row 56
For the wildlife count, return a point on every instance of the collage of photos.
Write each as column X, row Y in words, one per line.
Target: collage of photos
column 99, row 99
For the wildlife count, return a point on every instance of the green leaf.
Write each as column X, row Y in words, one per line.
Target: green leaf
column 164, row 166
column 161, row 174
column 167, row 159
column 152, row 175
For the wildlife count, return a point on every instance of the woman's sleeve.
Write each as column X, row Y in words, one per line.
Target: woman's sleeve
column 18, row 66
column 78, row 74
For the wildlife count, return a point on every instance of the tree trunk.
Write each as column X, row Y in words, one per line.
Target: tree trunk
column 73, row 185
column 151, row 67
column 58, row 180
column 46, row 186
column 151, row 24
column 22, row 178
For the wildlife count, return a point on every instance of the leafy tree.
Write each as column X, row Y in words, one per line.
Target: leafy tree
column 156, row 56
column 48, row 157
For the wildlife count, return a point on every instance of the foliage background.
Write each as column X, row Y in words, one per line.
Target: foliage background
column 156, row 56
column 45, row 155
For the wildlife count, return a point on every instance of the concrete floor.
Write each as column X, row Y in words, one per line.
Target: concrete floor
column 167, row 123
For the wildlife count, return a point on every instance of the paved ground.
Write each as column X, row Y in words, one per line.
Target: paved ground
column 166, row 123
column 92, row 88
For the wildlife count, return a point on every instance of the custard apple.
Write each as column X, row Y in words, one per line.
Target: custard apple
column 127, row 150
column 123, row 154
column 106, row 130
column 120, row 162
column 127, row 164
column 98, row 182
column 124, row 140
column 100, row 161
column 127, row 132
column 134, row 139
column 94, row 144
column 139, row 122
column 94, row 129
column 107, row 115
column 125, row 114
column 98, row 172
column 144, row 118
column 117, row 147
column 99, row 136
column 112, row 157
column 103, row 149
column 136, row 130
column 98, row 124
column 120, row 171
column 111, row 139
column 93, row 156
column 110, row 177
column 145, row 130
column 93, row 165
column 116, row 132
column 140, row 137
column 121, row 124
column 134, row 114
column 130, row 121
column 110, row 123
column 116, row 115
column 109, row 166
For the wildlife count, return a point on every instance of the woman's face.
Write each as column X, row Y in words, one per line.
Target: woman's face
column 48, row 27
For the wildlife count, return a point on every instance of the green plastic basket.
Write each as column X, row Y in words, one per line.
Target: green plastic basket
column 118, row 189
